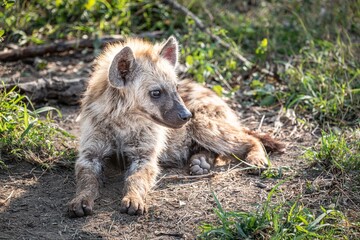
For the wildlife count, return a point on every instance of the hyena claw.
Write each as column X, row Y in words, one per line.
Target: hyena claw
column 80, row 207
column 132, row 206
column 258, row 160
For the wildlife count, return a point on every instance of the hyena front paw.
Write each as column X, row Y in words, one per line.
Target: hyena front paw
column 132, row 205
column 199, row 164
column 80, row 206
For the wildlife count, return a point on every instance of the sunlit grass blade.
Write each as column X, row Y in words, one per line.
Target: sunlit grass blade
column 28, row 128
column 47, row 109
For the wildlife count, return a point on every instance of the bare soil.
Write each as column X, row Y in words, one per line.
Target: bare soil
column 33, row 201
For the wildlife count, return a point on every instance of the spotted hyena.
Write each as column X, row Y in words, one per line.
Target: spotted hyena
column 135, row 111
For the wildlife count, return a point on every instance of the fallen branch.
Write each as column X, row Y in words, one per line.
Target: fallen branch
column 63, row 46
column 67, row 91
column 177, row 6
column 33, row 51
column 175, row 234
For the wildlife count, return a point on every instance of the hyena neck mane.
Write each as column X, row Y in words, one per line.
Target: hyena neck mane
column 136, row 79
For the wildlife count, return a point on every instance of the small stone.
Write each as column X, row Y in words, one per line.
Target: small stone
column 182, row 203
column 331, row 206
column 260, row 185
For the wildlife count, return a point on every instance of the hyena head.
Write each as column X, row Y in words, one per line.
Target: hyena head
column 146, row 76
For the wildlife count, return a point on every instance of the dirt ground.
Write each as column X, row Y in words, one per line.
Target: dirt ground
column 34, row 201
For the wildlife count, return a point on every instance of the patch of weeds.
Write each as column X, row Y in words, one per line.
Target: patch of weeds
column 263, row 93
column 206, row 61
column 336, row 153
column 24, row 136
column 336, row 162
column 274, row 172
column 38, row 22
column 313, row 45
column 324, row 80
column 286, row 220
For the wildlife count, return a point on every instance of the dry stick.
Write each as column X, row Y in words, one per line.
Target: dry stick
column 209, row 175
column 179, row 177
column 177, row 6
column 261, row 122
column 4, row 201
column 348, row 197
column 62, row 46
column 293, row 131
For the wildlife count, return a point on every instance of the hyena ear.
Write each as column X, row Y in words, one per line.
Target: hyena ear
column 121, row 67
column 169, row 51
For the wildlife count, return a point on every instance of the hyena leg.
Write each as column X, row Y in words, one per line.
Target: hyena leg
column 87, row 171
column 202, row 162
column 255, row 152
column 140, row 178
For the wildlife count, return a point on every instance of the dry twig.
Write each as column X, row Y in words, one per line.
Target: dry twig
column 61, row 46
column 261, row 123
column 3, row 202
column 190, row 177
column 64, row 90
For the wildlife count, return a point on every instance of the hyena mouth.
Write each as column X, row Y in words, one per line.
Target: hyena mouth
column 177, row 124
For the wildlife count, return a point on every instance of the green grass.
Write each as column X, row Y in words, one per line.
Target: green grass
column 324, row 81
column 336, row 157
column 24, row 135
column 313, row 44
column 284, row 220
column 39, row 22
column 317, row 55
column 338, row 153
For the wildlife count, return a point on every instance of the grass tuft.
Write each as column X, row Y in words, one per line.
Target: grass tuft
column 336, row 153
column 26, row 136
column 285, row 220
column 324, row 81
column 312, row 46
column 335, row 163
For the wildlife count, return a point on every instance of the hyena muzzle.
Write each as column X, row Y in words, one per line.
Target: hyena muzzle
column 137, row 113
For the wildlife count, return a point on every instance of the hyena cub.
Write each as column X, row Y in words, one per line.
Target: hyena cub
column 135, row 111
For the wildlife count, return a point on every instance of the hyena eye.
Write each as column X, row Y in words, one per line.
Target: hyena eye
column 155, row 93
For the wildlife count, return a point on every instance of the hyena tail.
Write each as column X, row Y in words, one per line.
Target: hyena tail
column 270, row 144
column 226, row 139
column 222, row 138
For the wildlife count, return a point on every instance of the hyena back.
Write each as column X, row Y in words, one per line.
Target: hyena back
column 136, row 111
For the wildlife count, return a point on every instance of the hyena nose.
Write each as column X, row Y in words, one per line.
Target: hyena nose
column 185, row 115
